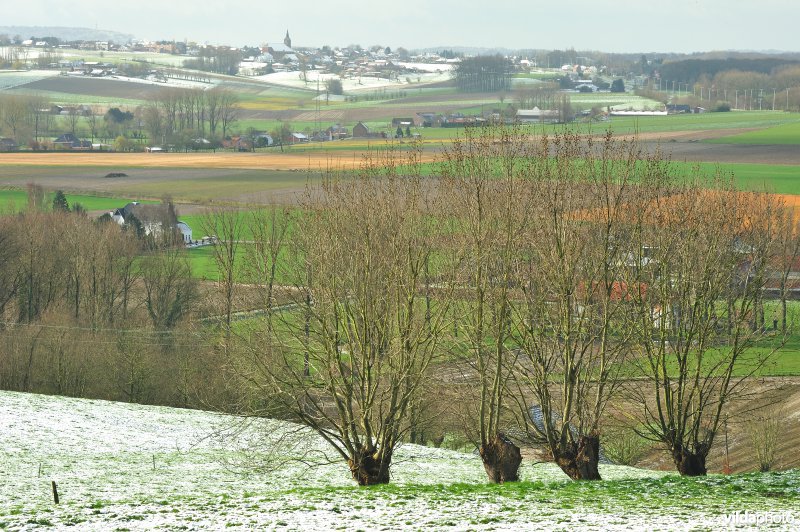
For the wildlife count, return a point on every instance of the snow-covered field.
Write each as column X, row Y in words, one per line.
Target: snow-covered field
column 354, row 84
column 15, row 78
column 121, row 466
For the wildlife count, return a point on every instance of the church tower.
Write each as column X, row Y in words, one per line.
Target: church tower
column 287, row 40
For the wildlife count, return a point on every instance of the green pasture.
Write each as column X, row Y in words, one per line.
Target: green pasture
column 690, row 122
column 788, row 133
column 204, row 265
column 775, row 178
column 771, row 357
column 201, row 259
column 15, row 200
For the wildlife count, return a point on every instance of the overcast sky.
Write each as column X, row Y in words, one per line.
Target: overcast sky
column 607, row 25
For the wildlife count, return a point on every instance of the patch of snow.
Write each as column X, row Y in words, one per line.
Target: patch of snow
column 139, row 467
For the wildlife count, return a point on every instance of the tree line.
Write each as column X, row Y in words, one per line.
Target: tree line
column 174, row 116
column 89, row 308
column 535, row 285
column 180, row 116
column 483, row 74
column 692, row 70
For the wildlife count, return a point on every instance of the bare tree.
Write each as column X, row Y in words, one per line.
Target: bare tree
column 764, row 430
column 14, row 112
column 226, row 226
column 361, row 245
column 73, row 117
column 270, row 231
column 92, row 120
column 571, row 322
column 170, row 291
column 9, row 268
column 228, row 111
column 488, row 206
column 787, row 255
column 709, row 248
column 213, row 107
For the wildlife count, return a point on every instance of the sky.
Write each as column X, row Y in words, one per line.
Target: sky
column 604, row 25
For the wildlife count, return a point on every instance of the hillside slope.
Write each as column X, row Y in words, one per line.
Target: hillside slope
column 123, row 466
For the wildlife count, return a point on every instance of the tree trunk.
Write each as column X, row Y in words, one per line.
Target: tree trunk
column 369, row 469
column 580, row 460
column 501, row 459
column 690, row 464
column 783, row 312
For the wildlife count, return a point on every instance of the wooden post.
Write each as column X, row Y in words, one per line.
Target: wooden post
column 55, row 491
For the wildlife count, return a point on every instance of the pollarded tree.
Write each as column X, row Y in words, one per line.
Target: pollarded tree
column 570, row 320
column 488, row 205
column 352, row 351
column 708, row 250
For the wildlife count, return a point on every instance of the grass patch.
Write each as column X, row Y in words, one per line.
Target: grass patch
column 782, row 134
column 15, row 200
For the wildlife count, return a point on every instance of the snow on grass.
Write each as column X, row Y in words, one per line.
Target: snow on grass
column 10, row 79
column 350, row 85
column 122, row 466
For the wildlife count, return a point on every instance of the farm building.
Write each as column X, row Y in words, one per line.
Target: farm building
column 361, row 130
column 68, row 141
column 402, row 122
column 537, row 115
column 151, row 219
column 674, row 108
column 336, row 132
column 638, row 113
column 186, row 231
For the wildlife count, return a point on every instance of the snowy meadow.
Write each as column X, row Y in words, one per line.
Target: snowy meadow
column 120, row 466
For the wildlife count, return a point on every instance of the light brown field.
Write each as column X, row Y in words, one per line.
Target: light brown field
column 250, row 161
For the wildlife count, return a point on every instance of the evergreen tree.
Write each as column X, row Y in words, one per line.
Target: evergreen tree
column 60, row 202
column 618, row 85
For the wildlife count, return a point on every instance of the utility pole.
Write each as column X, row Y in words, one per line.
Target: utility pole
column 773, row 99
